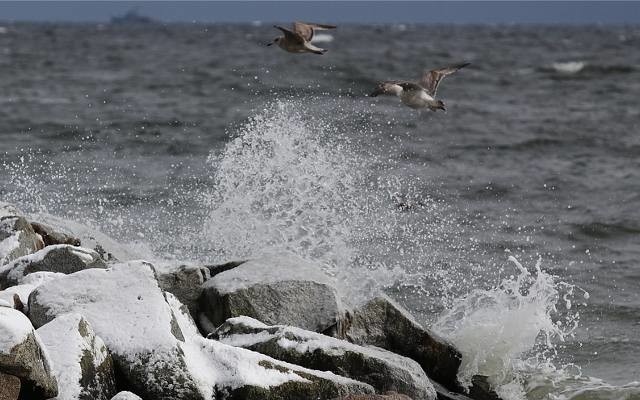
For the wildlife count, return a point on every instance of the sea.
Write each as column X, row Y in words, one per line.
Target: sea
column 509, row 224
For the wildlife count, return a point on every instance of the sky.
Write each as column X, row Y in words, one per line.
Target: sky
column 550, row 12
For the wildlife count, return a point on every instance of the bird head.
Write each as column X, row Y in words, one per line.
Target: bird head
column 276, row 40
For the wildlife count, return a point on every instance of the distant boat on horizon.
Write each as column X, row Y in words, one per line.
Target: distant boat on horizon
column 132, row 17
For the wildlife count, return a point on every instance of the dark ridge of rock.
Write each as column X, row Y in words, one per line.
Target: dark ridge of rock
column 383, row 323
column 220, row 268
column 481, row 389
column 184, row 282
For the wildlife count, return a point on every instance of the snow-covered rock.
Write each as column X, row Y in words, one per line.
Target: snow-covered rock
column 383, row 323
column 23, row 355
column 127, row 309
column 380, row 368
column 281, row 289
column 17, row 238
column 232, row 373
column 184, row 281
column 82, row 365
column 126, row 396
column 61, row 258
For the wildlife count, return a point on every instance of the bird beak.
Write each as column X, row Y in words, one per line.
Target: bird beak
column 375, row 93
column 269, row 44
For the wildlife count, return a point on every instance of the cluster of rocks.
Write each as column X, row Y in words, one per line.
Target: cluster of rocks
column 92, row 323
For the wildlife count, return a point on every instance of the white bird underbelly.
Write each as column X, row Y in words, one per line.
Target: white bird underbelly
column 416, row 98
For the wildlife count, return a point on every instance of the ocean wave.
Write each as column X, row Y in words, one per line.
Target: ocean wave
column 604, row 230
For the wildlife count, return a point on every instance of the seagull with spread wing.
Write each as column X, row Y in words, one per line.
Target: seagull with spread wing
column 298, row 40
column 421, row 94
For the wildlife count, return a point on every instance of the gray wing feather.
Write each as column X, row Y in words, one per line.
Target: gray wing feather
column 306, row 29
column 431, row 79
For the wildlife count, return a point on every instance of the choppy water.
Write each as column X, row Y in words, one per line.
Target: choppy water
column 197, row 142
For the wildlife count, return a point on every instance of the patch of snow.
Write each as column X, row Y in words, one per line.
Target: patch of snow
column 23, row 291
column 39, row 277
column 123, row 303
column 14, row 329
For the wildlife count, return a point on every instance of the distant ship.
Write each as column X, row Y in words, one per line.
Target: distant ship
column 132, row 17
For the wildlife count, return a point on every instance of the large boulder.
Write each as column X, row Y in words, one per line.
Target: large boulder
column 277, row 290
column 61, row 258
column 383, row 323
column 23, row 355
column 127, row 309
column 17, row 238
column 381, row 369
column 184, row 281
column 234, row 373
column 81, row 362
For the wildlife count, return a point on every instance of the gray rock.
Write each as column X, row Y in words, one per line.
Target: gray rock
column 17, row 238
column 51, row 237
column 381, row 369
column 184, row 282
column 23, row 355
column 383, row 323
column 60, row 258
column 128, row 310
column 126, row 396
column 81, row 362
column 9, row 387
column 89, row 237
column 282, row 289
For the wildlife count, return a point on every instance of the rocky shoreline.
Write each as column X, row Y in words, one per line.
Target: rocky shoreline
column 81, row 318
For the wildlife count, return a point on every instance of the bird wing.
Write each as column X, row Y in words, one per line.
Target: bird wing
column 290, row 35
column 306, row 29
column 388, row 88
column 431, row 79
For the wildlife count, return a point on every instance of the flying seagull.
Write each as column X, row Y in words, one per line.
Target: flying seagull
column 298, row 40
column 419, row 94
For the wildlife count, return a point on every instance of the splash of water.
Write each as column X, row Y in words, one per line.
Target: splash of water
column 508, row 331
column 289, row 181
